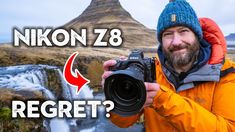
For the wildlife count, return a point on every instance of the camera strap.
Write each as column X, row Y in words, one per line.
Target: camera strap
column 227, row 71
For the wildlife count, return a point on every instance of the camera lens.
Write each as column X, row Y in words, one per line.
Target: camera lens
column 127, row 92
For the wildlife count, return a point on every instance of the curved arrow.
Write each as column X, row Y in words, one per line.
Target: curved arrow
column 75, row 79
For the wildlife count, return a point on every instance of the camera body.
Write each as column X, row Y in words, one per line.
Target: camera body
column 125, row 86
column 136, row 59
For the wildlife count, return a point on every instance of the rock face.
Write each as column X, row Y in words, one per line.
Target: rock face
column 110, row 14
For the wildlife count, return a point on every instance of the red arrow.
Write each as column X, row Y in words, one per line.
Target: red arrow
column 75, row 79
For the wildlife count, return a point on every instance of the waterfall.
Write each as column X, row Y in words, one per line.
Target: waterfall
column 26, row 77
column 33, row 78
column 70, row 91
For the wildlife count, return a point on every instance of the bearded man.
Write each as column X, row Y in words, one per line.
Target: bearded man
column 195, row 84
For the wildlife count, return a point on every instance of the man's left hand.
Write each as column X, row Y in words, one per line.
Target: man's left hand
column 151, row 89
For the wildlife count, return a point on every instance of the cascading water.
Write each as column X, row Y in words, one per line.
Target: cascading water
column 35, row 77
column 32, row 78
column 27, row 77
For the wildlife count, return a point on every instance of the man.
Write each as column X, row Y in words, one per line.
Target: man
column 194, row 92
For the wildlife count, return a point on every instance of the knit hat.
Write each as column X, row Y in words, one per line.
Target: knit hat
column 178, row 13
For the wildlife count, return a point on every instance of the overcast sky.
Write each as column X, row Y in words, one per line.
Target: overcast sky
column 21, row 13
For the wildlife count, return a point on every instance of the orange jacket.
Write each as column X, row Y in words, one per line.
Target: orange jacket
column 207, row 107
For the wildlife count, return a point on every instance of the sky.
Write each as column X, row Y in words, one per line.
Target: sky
column 54, row 13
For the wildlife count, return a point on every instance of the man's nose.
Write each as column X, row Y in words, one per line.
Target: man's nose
column 176, row 40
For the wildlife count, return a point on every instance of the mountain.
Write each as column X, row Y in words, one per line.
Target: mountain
column 230, row 37
column 110, row 14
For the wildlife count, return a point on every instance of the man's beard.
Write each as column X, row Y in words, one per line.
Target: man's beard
column 179, row 59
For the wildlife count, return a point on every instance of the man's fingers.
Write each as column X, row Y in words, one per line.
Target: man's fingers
column 151, row 94
column 148, row 102
column 102, row 83
column 123, row 58
column 151, row 86
column 106, row 74
column 108, row 64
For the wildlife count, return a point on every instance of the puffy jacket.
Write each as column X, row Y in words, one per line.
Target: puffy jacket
column 205, row 106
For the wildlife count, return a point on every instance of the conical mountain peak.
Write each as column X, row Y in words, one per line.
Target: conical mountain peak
column 110, row 14
column 104, row 2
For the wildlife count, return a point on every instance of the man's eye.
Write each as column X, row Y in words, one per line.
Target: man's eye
column 184, row 30
column 166, row 34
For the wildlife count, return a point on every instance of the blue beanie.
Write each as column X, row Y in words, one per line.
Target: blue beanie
column 178, row 13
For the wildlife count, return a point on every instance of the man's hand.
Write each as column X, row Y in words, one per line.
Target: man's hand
column 107, row 65
column 151, row 89
column 107, row 73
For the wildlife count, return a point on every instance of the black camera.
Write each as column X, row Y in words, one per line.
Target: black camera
column 125, row 86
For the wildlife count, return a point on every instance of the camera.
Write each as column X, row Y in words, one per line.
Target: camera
column 125, row 86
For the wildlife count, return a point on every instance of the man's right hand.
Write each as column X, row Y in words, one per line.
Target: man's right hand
column 107, row 73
